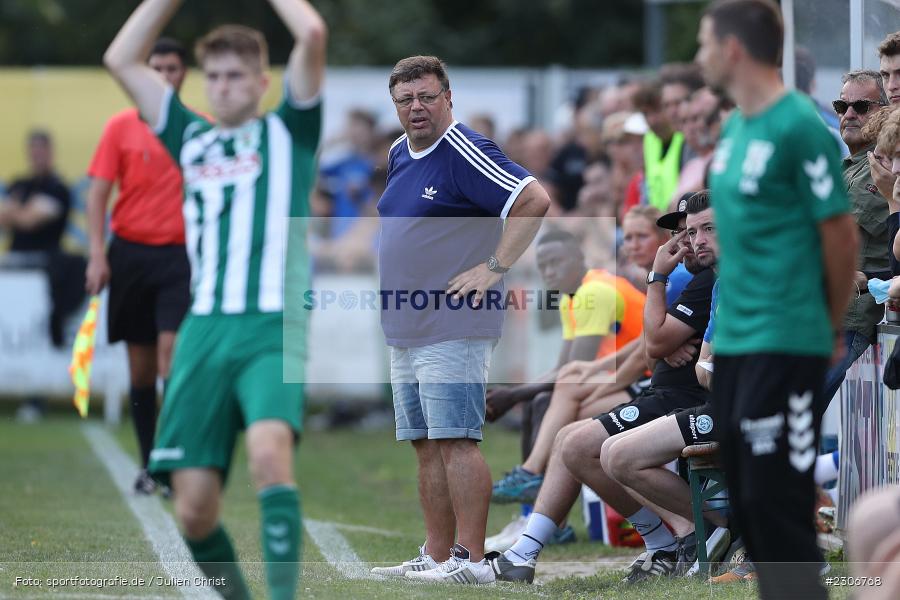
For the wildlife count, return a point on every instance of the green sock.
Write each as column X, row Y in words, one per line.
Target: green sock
column 280, row 512
column 216, row 558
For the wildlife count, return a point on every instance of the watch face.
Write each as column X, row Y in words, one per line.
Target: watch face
column 492, row 263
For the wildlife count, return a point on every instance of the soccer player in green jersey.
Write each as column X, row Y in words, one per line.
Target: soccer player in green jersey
column 244, row 178
column 787, row 259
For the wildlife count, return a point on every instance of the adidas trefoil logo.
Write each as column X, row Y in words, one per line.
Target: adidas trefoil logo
column 801, row 436
column 429, row 193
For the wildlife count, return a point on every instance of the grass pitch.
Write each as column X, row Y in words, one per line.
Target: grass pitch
column 62, row 516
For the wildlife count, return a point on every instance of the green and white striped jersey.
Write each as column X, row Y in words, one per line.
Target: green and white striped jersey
column 241, row 185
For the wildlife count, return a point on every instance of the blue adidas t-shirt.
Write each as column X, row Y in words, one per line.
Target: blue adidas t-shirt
column 441, row 214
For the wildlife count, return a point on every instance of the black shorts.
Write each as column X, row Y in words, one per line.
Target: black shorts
column 771, row 404
column 635, row 389
column 696, row 424
column 149, row 290
column 652, row 403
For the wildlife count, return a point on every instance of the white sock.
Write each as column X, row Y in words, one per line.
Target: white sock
column 538, row 532
column 826, row 468
column 656, row 535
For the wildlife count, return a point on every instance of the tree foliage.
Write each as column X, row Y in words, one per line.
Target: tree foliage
column 575, row 33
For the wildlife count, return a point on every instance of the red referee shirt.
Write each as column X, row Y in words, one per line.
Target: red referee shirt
column 148, row 207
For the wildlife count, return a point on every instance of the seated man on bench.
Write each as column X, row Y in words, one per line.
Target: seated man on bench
column 637, row 459
column 601, row 317
column 575, row 458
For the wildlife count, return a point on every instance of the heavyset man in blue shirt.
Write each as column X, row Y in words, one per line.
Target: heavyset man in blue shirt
column 456, row 214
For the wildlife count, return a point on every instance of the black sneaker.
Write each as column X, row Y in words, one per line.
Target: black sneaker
column 144, row 484
column 507, row 570
column 656, row 563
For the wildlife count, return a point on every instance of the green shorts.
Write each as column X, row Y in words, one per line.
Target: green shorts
column 227, row 373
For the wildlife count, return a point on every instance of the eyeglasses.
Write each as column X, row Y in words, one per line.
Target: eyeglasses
column 860, row 107
column 425, row 99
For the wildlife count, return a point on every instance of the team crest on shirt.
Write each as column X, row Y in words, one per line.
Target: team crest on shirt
column 246, row 139
column 704, row 424
column 429, row 193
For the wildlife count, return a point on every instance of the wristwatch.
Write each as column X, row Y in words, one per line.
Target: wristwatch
column 654, row 277
column 494, row 265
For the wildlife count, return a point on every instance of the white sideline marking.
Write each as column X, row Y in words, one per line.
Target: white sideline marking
column 337, row 550
column 367, row 529
column 159, row 527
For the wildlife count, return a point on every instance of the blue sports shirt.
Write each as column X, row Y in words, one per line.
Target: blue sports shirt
column 442, row 213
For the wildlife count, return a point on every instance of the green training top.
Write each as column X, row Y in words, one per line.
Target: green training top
column 775, row 175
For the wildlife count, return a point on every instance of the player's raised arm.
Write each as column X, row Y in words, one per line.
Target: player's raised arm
column 306, row 66
column 126, row 57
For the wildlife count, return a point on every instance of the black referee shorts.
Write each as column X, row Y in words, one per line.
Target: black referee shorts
column 149, row 290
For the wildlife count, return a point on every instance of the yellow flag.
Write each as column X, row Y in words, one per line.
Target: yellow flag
column 83, row 357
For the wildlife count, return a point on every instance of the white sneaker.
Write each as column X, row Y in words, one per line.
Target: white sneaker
column 423, row 562
column 457, row 569
column 504, row 540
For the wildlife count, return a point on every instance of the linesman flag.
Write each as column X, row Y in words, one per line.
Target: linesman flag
column 83, row 357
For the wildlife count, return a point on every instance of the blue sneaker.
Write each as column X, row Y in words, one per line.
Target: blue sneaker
column 517, row 486
column 563, row 535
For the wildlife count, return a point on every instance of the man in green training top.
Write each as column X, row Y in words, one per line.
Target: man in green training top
column 787, row 259
column 244, row 178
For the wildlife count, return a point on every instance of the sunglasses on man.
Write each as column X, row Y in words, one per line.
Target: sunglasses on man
column 860, row 107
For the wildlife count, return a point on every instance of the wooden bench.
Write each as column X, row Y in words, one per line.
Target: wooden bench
column 703, row 468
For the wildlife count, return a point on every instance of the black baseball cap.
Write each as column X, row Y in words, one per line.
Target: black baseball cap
column 670, row 220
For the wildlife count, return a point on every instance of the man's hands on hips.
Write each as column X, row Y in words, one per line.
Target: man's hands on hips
column 478, row 279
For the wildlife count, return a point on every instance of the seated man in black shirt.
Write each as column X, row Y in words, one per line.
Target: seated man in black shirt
column 575, row 458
